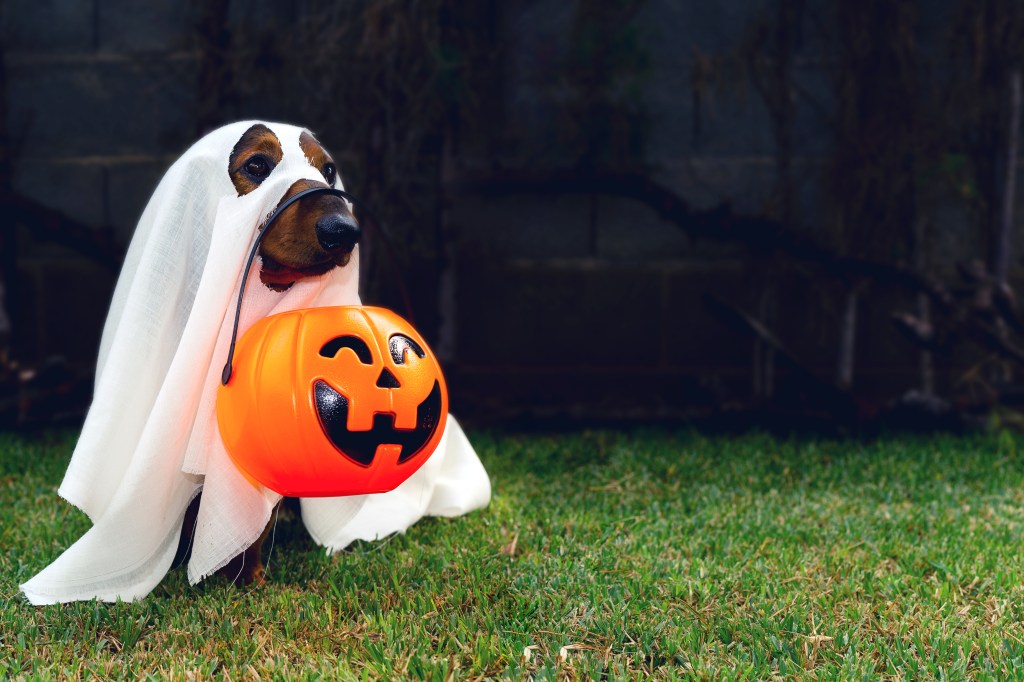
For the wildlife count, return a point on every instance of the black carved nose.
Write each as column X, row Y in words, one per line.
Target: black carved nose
column 337, row 232
column 387, row 379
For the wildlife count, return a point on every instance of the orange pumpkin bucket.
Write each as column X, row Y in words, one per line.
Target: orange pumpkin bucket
column 323, row 402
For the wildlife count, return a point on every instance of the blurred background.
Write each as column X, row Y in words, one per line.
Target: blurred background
column 750, row 212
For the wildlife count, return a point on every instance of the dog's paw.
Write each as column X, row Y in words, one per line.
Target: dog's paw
column 244, row 573
column 257, row 577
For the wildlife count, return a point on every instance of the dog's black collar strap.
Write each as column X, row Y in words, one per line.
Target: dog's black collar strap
column 226, row 374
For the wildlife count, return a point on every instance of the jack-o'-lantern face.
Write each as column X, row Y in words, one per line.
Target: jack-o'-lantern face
column 389, row 396
column 332, row 401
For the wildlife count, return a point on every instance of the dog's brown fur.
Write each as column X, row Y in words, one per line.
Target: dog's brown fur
column 289, row 252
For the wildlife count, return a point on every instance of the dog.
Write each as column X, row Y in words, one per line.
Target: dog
column 311, row 237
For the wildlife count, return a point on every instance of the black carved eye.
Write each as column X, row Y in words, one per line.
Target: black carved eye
column 330, row 173
column 258, row 166
column 399, row 344
column 354, row 343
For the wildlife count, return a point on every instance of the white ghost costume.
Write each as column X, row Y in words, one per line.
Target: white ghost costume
column 150, row 441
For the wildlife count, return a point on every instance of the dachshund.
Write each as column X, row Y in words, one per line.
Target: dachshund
column 311, row 237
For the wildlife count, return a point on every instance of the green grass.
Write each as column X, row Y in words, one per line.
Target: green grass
column 639, row 555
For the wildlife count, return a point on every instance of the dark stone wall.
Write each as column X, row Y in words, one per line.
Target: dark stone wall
column 578, row 300
column 100, row 101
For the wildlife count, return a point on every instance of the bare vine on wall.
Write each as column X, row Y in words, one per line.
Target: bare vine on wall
column 602, row 119
column 906, row 138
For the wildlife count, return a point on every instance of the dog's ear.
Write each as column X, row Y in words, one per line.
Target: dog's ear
column 253, row 158
column 318, row 157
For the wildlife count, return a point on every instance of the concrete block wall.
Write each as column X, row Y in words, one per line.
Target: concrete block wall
column 101, row 98
column 590, row 301
column 599, row 301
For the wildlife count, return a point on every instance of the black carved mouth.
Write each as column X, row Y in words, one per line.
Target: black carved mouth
column 361, row 446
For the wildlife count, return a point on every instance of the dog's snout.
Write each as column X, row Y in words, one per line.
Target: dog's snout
column 337, row 232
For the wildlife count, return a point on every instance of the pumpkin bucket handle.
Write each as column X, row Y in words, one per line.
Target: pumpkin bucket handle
column 226, row 373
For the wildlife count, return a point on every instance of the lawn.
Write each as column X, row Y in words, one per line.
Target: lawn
column 625, row 555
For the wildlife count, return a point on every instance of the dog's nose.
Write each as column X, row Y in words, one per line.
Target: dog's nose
column 337, row 232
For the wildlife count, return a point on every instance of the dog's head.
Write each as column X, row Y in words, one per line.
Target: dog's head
column 311, row 236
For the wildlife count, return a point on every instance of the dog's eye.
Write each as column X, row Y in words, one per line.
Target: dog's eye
column 258, row 167
column 330, row 173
